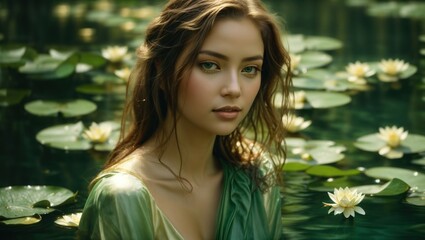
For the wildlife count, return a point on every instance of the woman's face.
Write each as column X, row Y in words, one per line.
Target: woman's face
column 224, row 81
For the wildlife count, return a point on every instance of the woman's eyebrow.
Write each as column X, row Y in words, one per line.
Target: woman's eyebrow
column 224, row 57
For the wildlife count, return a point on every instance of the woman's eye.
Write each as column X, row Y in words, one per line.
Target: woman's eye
column 209, row 66
column 250, row 70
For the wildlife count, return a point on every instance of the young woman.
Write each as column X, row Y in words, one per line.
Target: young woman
column 201, row 145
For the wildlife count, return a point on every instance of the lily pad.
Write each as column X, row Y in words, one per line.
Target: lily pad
column 318, row 99
column 384, row 9
column 46, row 67
column 322, row 43
column 21, row 201
column 329, row 171
column 416, row 180
column 332, row 183
column 416, row 198
column 22, row 220
column 314, row 59
column 10, row 97
column 16, row 56
column 295, row 166
column 69, row 137
column 419, row 161
column 392, row 188
column 314, row 152
column 71, row 108
column 372, row 143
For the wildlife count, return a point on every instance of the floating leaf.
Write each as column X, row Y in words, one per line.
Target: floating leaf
column 326, row 99
column 314, row 152
column 294, row 43
column 331, row 183
column 314, row 59
column 18, row 201
column 416, row 198
column 384, row 9
column 392, row 188
column 372, row 143
column 15, row 56
column 22, row 220
column 69, row 108
column 69, row 137
column 416, row 180
column 322, row 43
column 329, row 171
column 294, row 166
column 419, row 161
column 10, row 97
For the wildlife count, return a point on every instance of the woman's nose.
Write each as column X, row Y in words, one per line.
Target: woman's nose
column 232, row 87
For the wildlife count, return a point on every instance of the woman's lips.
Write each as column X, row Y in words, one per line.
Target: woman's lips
column 227, row 112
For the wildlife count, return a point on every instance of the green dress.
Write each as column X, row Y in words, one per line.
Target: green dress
column 120, row 207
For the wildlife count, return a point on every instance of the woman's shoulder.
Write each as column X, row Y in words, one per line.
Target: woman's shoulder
column 115, row 183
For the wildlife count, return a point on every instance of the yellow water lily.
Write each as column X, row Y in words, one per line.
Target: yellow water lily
column 294, row 124
column 115, row 54
column 123, row 73
column 391, row 69
column 98, row 133
column 70, row 220
column 392, row 136
column 358, row 72
column 345, row 201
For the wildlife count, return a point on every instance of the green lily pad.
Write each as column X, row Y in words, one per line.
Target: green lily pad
column 329, row 171
column 19, row 201
column 84, row 60
column 416, row 198
column 330, row 184
column 69, row 108
column 319, row 99
column 96, row 89
column 16, row 56
column 10, row 97
column 419, row 161
column 314, row 152
column 314, row 59
column 416, row 180
column 294, row 43
column 392, row 188
column 295, row 166
column 384, row 9
column 69, row 137
column 322, row 43
column 414, row 10
column 46, row 67
column 22, row 220
column 372, row 143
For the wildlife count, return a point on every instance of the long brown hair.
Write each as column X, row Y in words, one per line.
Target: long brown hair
column 181, row 27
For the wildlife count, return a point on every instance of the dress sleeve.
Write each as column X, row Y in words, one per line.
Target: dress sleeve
column 273, row 207
column 272, row 200
column 117, row 205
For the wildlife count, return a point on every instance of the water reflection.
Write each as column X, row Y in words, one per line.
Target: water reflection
column 42, row 25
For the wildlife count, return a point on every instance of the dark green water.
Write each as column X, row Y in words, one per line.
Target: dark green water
column 24, row 161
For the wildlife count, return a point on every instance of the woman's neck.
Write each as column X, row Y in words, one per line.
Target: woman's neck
column 188, row 151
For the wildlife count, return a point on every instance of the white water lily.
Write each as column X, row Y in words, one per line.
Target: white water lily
column 358, row 72
column 123, row 74
column 345, row 201
column 98, row 132
column 70, row 220
column 295, row 61
column 391, row 69
column 114, row 53
column 294, row 124
column 393, row 136
column 298, row 99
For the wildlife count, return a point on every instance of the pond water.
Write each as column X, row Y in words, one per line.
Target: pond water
column 43, row 25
